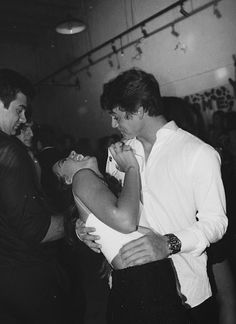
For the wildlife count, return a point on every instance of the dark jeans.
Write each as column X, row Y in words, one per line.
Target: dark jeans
column 204, row 313
column 33, row 294
column 145, row 294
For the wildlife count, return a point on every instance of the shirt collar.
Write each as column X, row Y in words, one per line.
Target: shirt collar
column 166, row 130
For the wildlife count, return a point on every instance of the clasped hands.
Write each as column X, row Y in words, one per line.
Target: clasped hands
column 124, row 156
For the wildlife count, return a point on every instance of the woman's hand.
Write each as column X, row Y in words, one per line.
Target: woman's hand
column 124, row 156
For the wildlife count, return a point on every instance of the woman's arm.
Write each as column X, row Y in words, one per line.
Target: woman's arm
column 120, row 213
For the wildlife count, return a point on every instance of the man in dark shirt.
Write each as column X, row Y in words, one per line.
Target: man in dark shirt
column 33, row 286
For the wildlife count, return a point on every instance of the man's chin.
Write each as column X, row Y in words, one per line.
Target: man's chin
column 127, row 137
column 13, row 131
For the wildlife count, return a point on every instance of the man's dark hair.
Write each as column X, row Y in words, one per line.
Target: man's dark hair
column 130, row 90
column 11, row 82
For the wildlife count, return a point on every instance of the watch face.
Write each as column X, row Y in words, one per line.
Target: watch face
column 174, row 243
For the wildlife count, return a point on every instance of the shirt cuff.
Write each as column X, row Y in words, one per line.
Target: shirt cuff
column 192, row 242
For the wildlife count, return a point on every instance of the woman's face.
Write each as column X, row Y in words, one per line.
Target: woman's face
column 66, row 168
column 26, row 135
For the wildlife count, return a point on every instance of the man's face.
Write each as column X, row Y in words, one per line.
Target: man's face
column 11, row 118
column 128, row 125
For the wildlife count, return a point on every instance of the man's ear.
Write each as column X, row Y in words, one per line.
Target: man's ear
column 140, row 112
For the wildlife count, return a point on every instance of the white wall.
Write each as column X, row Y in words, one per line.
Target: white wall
column 205, row 60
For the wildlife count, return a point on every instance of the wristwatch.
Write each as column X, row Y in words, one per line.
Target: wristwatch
column 174, row 244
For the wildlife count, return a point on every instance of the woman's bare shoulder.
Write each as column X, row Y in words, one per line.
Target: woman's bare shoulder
column 84, row 175
column 85, row 179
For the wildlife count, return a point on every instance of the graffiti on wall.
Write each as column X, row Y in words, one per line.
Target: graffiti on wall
column 211, row 100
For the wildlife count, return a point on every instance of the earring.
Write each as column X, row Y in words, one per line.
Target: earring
column 68, row 180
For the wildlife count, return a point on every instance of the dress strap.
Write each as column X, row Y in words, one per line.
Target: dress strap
column 81, row 204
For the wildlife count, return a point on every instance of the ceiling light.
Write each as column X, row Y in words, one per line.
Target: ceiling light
column 70, row 26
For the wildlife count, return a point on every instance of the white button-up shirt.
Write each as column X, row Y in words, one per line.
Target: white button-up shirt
column 183, row 194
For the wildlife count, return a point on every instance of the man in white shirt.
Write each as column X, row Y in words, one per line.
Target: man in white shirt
column 182, row 191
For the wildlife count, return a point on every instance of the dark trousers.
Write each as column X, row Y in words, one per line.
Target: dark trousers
column 145, row 294
column 204, row 313
column 33, row 294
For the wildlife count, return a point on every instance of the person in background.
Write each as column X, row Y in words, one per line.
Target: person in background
column 182, row 190
column 25, row 135
column 47, row 155
column 66, row 143
column 230, row 146
column 139, row 294
column 218, row 136
column 33, row 285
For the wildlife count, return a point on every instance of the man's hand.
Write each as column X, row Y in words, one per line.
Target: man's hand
column 151, row 247
column 84, row 234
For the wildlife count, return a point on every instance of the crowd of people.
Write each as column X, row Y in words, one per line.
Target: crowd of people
column 157, row 200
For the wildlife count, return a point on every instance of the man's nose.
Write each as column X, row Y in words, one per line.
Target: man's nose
column 114, row 123
column 22, row 117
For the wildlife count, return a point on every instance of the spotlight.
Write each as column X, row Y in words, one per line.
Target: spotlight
column 182, row 10
column 174, row 32
column 90, row 60
column 216, row 11
column 113, row 47
column 144, row 32
column 110, row 62
column 139, row 52
column 121, row 48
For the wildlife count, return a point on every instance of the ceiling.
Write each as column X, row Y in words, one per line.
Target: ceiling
column 31, row 21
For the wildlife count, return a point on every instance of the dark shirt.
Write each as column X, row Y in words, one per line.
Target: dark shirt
column 24, row 215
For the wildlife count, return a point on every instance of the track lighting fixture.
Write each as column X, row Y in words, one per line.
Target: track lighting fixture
column 90, row 60
column 139, row 52
column 113, row 47
column 115, row 50
column 121, row 48
column 173, row 31
column 182, row 10
column 144, row 32
column 216, row 11
column 110, row 62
